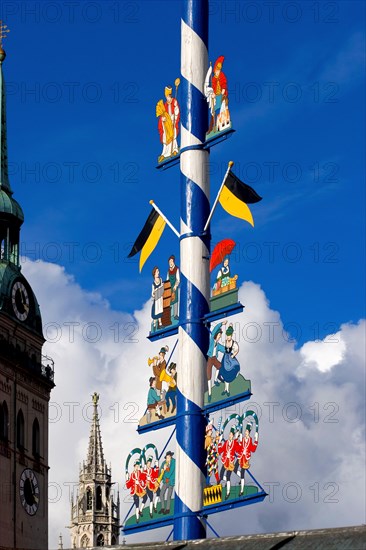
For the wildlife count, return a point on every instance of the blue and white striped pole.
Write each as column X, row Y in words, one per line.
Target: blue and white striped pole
column 194, row 266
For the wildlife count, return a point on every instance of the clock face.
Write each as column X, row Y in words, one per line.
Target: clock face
column 29, row 491
column 20, row 301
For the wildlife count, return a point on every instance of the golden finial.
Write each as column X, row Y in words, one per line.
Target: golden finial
column 95, row 398
column 3, row 34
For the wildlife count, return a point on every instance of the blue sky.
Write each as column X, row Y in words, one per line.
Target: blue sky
column 89, row 131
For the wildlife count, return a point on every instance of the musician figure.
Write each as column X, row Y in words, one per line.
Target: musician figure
column 167, row 477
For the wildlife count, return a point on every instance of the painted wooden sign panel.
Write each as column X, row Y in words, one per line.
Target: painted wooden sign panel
column 217, row 96
column 229, row 447
column 151, row 484
column 165, row 297
column 224, row 379
column 162, row 392
column 224, row 292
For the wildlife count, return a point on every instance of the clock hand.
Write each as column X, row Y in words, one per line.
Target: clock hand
column 35, row 497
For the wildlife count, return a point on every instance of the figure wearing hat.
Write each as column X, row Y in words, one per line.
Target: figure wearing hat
column 154, row 403
column 228, row 449
column 223, row 275
column 168, row 124
column 170, row 377
column 167, row 477
column 158, row 365
column 212, row 459
column 212, row 356
column 136, row 483
column 217, row 96
column 245, row 448
column 152, row 484
column 159, row 368
column 229, row 365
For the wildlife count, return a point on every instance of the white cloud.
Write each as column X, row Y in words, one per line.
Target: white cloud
column 311, row 403
column 323, row 355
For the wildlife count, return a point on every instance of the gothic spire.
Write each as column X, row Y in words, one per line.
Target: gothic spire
column 95, row 460
column 4, row 177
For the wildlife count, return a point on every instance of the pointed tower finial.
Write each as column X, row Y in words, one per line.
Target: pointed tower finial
column 95, row 460
column 3, row 34
column 4, row 177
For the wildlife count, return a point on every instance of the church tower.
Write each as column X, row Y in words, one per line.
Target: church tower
column 94, row 514
column 26, row 379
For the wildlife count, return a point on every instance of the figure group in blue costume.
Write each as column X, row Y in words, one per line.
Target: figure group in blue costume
column 223, row 367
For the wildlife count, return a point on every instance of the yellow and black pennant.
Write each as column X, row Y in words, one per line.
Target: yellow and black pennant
column 235, row 197
column 148, row 237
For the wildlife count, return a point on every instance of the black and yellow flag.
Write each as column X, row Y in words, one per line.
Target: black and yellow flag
column 235, row 197
column 149, row 237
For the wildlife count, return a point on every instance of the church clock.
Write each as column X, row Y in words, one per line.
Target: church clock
column 20, row 300
column 29, row 491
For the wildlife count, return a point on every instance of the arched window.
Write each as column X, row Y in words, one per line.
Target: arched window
column 100, row 540
column 113, row 542
column 4, row 422
column 36, row 439
column 89, row 501
column 20, row 430
column 99, row 498
column 84, row 541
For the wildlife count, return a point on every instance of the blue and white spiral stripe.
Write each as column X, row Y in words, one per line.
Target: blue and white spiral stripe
column 194, row 251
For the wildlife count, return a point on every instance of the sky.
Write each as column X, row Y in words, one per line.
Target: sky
column 83, row 79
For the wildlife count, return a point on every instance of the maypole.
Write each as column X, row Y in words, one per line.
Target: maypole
column 209, row 469
column 195, row 278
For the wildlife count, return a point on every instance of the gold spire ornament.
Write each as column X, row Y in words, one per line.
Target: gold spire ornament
column 3, row 34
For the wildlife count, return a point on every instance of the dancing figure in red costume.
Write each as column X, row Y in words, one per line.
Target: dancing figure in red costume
column 152, row 483
column 228, row 449
column 136, row 483
column 245, row 448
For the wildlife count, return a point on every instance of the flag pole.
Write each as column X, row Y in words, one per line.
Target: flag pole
column 164, row 218
column 231, row 163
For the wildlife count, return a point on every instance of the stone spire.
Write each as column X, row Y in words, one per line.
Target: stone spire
column 95, row 511
column 4, row 176
column 95, row 461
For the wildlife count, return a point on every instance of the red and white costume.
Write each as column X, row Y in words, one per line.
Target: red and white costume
column 152, row 475
column 137, row 483
column 227, row 450
column 245, row 448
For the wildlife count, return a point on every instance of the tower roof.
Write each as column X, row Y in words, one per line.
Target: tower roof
column 4, row 175
column 8, row 205
column 95, row 461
